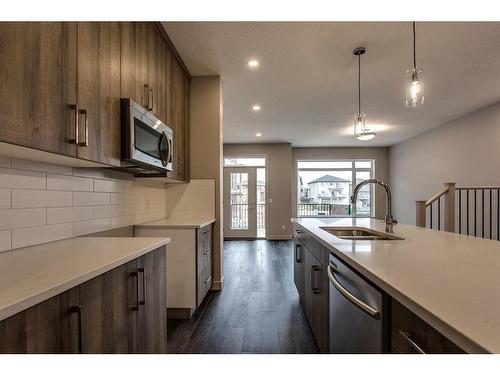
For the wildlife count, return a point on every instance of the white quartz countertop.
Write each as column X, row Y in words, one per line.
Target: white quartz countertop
column 451, row 281
column 178, row 223
column 33, row 274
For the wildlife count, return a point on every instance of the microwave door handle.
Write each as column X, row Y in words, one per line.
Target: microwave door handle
column 170, row 153
column 163, row 138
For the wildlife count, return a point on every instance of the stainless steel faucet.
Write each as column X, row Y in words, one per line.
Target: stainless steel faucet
column 389, row 220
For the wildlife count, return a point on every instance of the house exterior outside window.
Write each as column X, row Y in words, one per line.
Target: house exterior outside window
column 324, row 187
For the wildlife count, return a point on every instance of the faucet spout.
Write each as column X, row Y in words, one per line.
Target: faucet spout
column 389, row 220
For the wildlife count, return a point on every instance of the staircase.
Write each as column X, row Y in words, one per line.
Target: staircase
column 470, row 210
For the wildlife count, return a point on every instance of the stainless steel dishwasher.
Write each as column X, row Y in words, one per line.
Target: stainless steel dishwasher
column 355, row 312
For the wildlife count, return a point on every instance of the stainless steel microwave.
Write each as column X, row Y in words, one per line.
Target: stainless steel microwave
column 146, row 142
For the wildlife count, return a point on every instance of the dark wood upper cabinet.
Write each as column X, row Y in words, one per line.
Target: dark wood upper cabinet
column 98, row 91
column 38, row 85
column 60, row 81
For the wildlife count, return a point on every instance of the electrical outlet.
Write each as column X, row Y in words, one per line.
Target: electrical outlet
column 283, row 227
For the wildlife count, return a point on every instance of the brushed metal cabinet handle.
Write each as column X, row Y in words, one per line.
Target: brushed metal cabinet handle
column 208, row 280
column 152, row 106
column 314, row 279
column 374, row 313
column 297, row 258
column 146, row 97
column 407, row 337
column 143, row 272
column 77, row 115
column 78, row 310
column 85, row 142
column 136, row 275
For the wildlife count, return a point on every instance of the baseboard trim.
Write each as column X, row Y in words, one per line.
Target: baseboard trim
column 279, row 237
column 218, row 284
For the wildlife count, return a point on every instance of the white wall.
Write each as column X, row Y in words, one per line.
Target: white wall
column 205, row 148
column 465, row 151
column 46, row 202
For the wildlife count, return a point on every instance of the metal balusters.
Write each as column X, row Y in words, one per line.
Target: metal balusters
column 460, row 211
column 430, row 217
column 439, row 214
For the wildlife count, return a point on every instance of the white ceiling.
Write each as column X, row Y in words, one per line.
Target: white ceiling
column 307, row 79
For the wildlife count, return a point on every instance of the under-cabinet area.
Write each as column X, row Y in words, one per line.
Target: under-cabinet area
column 348, row 313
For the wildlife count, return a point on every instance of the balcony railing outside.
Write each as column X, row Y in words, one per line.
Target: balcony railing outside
column 323, row 209
column 239, row 216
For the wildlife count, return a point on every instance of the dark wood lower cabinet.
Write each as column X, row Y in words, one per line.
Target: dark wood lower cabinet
column 122, row 311
column 152, row 303
column 411, row 335
column 49, row 327
column 299, row 270
column 203, row 262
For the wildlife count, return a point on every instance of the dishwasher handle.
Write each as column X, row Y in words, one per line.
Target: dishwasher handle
column 374, row 313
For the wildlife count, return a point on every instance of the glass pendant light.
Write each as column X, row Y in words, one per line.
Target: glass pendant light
column 415, row 95
column 361, row 132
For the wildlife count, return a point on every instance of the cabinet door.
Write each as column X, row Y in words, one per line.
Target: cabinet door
column 50, row 327
column 320, row 305
column 298, row 270
column 161, row 99
column 308, row 295
column 204, row 262
column 139, row 60
column 38, row 85
column 153, row 302
column 106, row 309
column 98, row 94
column 178, row 121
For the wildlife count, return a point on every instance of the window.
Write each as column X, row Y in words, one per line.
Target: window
column 324, row 187
column 244, row 162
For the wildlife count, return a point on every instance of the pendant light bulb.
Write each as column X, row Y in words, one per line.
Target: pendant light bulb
column 361, row 132
column 415, row 95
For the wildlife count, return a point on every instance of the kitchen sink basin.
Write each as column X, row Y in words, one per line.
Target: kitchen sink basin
column 359, row 233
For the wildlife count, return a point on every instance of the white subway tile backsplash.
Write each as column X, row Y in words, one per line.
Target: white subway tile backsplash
column 22, row 218
column 4, row 198
column 43, row 202
column 109, row 186
column 40, row 198
column 5, row 241
column 36, row 235
column 69, row 183
column 69, row 214
column 17, row 179
column 29, row 165
column 90, row 199
column 82, row 228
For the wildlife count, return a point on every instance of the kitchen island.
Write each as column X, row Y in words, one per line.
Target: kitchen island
column 450, row 281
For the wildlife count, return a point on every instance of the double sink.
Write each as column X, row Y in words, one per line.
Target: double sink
column 359, row 233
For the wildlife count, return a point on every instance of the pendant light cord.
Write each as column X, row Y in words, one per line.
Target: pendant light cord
column 359, row 84
column 414, row 49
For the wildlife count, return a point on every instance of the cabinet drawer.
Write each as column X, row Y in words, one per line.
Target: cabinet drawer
column 204, row 262
column 299, row 234
column 410, row 334
column 317, row 249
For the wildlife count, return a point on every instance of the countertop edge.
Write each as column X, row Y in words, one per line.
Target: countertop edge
column 44, row 295
column 444, row 328
column 175, row 226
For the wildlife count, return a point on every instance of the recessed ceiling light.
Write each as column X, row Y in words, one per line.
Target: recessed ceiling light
column 253, row 63
column 256, row 107
column 258, row 134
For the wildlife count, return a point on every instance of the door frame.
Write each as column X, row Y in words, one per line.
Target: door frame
column 251, row 233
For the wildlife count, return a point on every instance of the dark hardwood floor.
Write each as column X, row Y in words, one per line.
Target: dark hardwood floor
column 257, row 312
